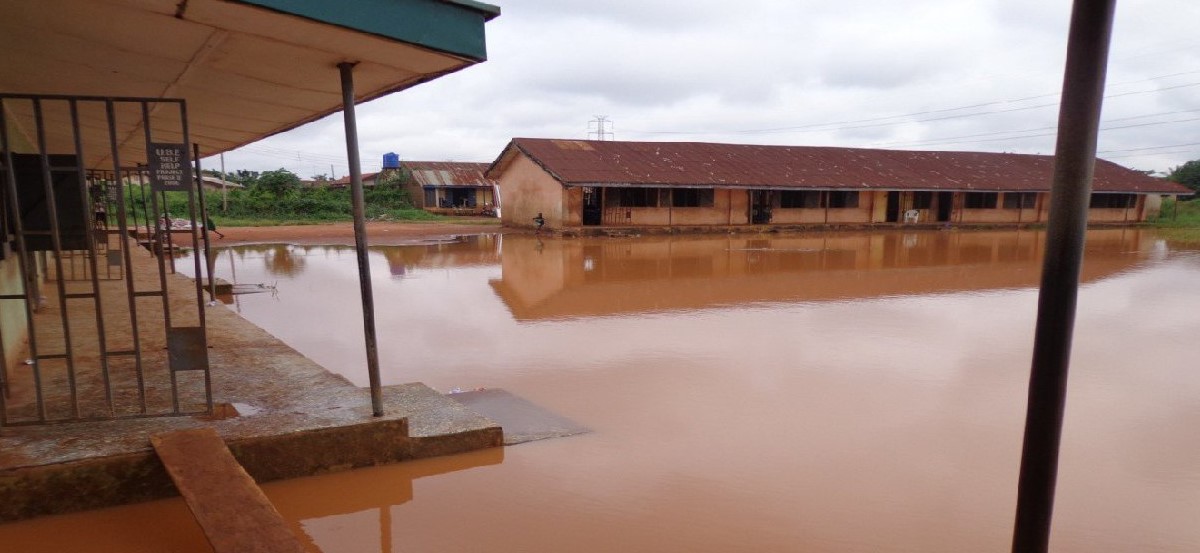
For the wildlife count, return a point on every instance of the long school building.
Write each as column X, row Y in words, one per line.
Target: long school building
column 575, row 184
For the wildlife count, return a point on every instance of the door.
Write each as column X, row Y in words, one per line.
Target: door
column 945, row 206
column 592, row 210
column 893, row 207
column 760, row 207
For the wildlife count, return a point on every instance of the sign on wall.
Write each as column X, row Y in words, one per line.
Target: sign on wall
column 170, row 168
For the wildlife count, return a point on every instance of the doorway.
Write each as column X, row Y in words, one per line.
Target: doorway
column 893, row 207
column 760, row 206
column 945, row 206
column 593, row 213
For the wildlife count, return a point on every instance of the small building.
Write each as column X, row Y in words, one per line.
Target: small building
column 577, row 184
column 212, row 183
column 450, row 186
column 368, row 179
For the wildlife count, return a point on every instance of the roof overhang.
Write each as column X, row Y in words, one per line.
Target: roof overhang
column 246, row 69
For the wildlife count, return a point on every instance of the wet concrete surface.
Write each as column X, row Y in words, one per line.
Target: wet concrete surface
column 843, row 392
column 521, row 419
column 299, row 418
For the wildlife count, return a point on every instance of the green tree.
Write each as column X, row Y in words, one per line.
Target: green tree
column 1187, row 174
column 394, row 178
column 278, row 182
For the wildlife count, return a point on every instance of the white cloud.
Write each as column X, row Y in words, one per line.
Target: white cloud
column 855, row 73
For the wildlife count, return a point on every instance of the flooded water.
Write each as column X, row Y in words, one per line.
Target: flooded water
column 831, row 393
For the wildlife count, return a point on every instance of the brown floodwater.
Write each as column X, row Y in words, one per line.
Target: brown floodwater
column 817, row 393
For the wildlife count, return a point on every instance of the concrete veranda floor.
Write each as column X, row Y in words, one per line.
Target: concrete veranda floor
column 296, row 417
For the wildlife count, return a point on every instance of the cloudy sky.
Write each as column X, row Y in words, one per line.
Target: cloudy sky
column 917, row 74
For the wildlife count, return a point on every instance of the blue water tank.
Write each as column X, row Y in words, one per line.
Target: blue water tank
column 391, row 160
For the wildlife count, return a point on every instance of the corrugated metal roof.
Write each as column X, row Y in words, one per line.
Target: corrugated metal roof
column 345, row 181
column 591, row 162
column 447, row 173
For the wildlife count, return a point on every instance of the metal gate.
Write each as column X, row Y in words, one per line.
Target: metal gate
column 92, row 324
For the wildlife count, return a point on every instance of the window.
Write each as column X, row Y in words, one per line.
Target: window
column 632, row 197
column 841, row 198
column 981, row 200
column 692, row 197
column 1020, row 200
column 1113, row 201
column 799, row 199
column 922, row 200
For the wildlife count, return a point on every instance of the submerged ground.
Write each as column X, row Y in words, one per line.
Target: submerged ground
column 842, row 392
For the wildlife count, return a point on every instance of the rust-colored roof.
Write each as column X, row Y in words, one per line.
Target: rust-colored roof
column 345, row 181
column 614, row 163
column 448, row 173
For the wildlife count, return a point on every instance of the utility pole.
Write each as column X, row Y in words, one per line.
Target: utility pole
column 600, row 133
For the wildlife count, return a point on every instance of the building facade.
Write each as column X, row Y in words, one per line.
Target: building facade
column 450, row 186
column 575, row 184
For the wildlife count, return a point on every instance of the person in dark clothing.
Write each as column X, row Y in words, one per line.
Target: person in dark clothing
column 212, row 226
column 540, row 222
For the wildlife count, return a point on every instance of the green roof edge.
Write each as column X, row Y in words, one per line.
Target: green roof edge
column 451, row 26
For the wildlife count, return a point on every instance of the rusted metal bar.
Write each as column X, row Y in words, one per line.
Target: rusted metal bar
column 101, row 338
column 145, row 204
column 164, row 249
column 25, row 263
column 127, row 270
column 208, row 396
column 360, row 235
column 1075, row 156
column 208, row 261
column 56, row 244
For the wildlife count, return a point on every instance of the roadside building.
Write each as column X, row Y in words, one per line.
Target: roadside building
column 368, row 179
column 450, row 187
column 577, row 184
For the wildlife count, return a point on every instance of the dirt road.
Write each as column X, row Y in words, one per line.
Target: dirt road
column 343, row 233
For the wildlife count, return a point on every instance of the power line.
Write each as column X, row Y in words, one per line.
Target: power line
column 883, row 121
column 947, row 139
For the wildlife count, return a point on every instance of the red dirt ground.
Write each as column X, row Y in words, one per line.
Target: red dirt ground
column 343, row 233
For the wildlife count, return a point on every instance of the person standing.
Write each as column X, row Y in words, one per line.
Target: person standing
column 212, row 226
column 540, row 222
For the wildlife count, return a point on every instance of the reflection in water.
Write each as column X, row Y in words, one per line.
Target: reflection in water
column 842, row 392
column 280, row 260
column 605, row 276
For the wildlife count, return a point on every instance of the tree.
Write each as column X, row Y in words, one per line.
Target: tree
column 394, row 178
column 1187, row 174
column 278, row 182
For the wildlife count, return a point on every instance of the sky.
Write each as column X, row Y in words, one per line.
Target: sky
column 951, row 75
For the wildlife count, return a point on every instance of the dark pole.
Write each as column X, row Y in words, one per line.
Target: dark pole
column 1075, row 157
column 360, row 235
column 209, row 261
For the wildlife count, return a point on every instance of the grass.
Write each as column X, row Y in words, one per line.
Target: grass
column 1179, row 222
column 296, row 207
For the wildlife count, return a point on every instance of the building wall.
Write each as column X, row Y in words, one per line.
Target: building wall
column 1151, row 205
column 525, row 190
column 13, row 329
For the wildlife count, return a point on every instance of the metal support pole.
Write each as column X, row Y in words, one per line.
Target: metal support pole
column 208, row 259
column 1075, row 157
column 360, row 235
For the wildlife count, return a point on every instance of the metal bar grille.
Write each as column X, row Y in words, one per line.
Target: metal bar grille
column 100, row 340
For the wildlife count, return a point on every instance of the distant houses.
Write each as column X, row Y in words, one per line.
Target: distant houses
column 450, row 186
column 577, row 184
column 446, row 187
